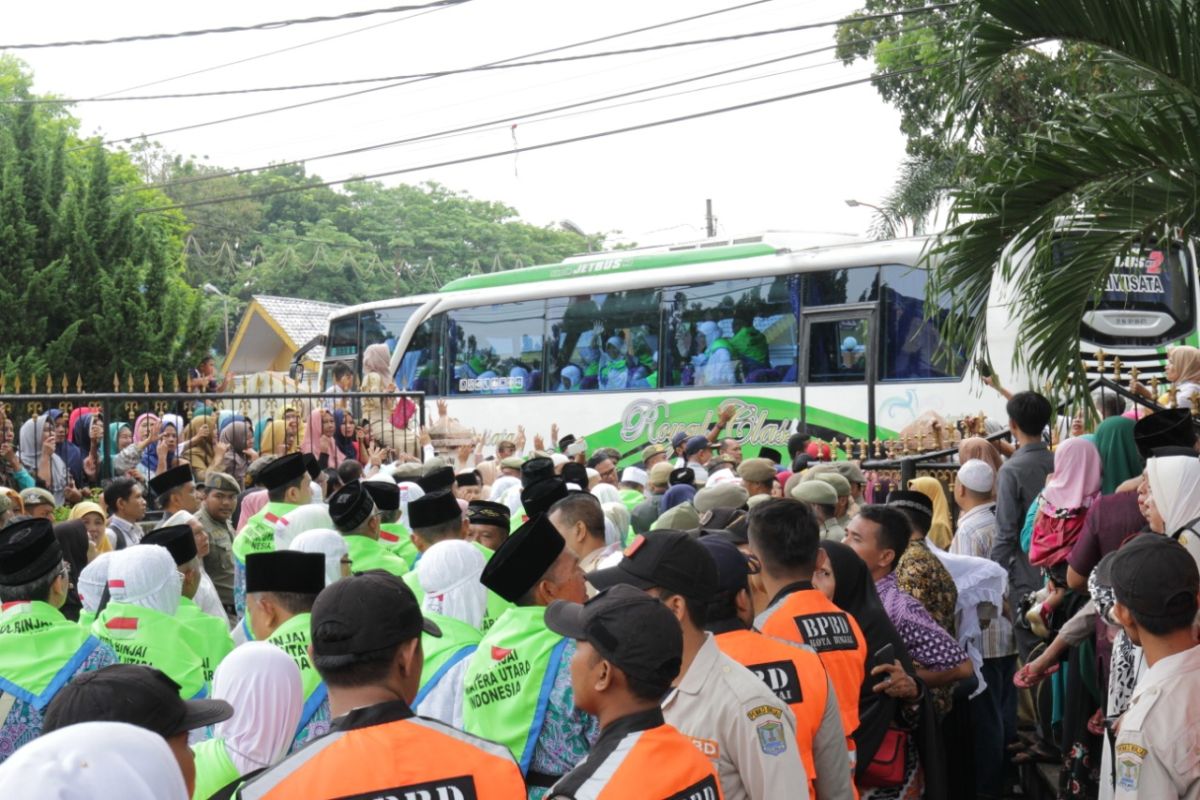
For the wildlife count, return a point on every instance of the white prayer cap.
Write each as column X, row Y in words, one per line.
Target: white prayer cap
column 328, row 543
column 297, row 521
column 977, row 475
column 449, row 573
column 635, row 475
column 92, row 580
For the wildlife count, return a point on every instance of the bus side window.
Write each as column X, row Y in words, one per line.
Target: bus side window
column 730, row 332
column 603, row 341
column 911, row 346
column 420, row 366
column 496, row 349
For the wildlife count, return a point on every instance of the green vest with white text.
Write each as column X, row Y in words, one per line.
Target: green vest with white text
column 367, row 554
column 458, row 641
column 208, row 636
column 258, row 535
column 508, row 681
column 145, row 636
column 293, row 637
column 40, row 651
column 214, row 768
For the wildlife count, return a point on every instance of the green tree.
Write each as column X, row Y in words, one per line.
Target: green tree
column 1124, row 169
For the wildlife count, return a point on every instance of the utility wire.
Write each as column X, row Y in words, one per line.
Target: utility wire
column 261, row 26
column 528, row 117
column 495, row 64
column 545, row 145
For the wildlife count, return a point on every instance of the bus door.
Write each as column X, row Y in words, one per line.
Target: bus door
column 837, row 369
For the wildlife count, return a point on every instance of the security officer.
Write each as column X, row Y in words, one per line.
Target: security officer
column 842, row 487
column 1155, row 581
column 629, row 649
column 785, row 539
column 355, row 516
column 220, row 497
column 393, row 533
column 758, row 476
column 795, row 674
column 208, row 636
column 281, row 588
column 822, row 499
column 729, row 714
column 366, row 644
column 287, row 481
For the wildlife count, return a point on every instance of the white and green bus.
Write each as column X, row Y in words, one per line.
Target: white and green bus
column 825, row 334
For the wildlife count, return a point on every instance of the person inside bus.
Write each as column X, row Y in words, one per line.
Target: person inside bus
column 614, row 363
column 714, row 363
column 749, row 344
column 570, row 379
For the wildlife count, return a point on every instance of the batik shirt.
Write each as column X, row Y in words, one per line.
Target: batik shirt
column 567, row 733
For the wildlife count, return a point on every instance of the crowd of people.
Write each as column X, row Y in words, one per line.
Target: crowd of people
column 309, row 617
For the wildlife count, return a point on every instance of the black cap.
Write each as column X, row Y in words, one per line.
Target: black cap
column 683, row 475
column 733, row 569
column 285, row 571
column 566, row 442
column 1154, row 576
column 350, row 506
column 670, row 560
column 576, row 473
column 178, row 539
column 468, row 478
column 1163, row 429
column 771, row 454
column 132, row 693
column 173, row 478
column 384, row 494
column 536, row 470
column 436, row 480
column 913, row 503
column 1174, row 451
column 433, row 509
column 282, row 471
column 628, row 627
column 367, row 612
column 312, row 466
column 696, row 444
column 521, row 561
column 538, row 498
column 28, row 551
column 485, row 512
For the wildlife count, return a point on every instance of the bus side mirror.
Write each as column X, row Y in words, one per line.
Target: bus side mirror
column 296, row 372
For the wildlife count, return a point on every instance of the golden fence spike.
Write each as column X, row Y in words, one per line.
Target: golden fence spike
column 1100, row 356
column 1134, row 374
column 116, row 383
column 258, row 383
column 129, row 382
column 271, row 382
column 65, row 385
column 1155, row 382
column 1173, row 397
column 17, row 385
column 175, row 382
column 78, row 383
column 1195, row 400
column 160, row 383
column 1117, row 364
column 3, row 383
column 146, row 382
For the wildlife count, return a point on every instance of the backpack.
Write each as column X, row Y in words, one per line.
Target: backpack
column 1054, row 536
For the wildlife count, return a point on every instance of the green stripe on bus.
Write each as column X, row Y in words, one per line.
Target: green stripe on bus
column 608, row 266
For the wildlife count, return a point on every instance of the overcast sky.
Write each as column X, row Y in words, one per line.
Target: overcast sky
column 789, row 165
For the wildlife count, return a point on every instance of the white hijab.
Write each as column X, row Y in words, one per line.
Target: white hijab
column 616, row 521
column 145, row 576
column 449, row 574
column 606, row 493
column 263, row 685
column 501, row 487
column 92, row 759
column 299, row 520
column 328, row 543
column 91, row 581
column 1175, row 487
column 409, row 491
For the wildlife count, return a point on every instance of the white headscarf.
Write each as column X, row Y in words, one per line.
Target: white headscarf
column 92, row 759
column 616, row 521
column 91, row 581
column 145, row 576
column 606, row 493
column 409, row 491
column 449, row 574
column 299, row 520
column 30, row 451
column 328, row 543
column 1175, row 487
column 262, row 683
column 502, row 485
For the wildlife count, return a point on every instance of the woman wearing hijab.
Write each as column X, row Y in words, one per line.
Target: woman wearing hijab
column 677, row 494
column 1119, row 457
column 319, row 439
column 64, row 449
column 237, row 435
column 86, row 431
column 73, row 541
column 569, row 379
column 273, row 438
column 263, row 685
column 198, row 444
column 39, row 459
column 94, row 759
column 380, row 412
column 344, row 439
column 330, row 544
column 1071, row 489
column 449, row 575
column 980, row 448
column 940, row 531
column 1183, row 372
column 882, row 717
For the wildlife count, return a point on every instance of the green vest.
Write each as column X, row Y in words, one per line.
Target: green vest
column 86, row 618
column 508, row 681
column 258, row 535
column 40, row 650
column 208, row 636
column 458, row 640
column 632, row 498
column 395, row 537
column 367, row 554
column 719, row 344
column 145, row 636
column 214, row 768
column 496, row 605
column 293, row 637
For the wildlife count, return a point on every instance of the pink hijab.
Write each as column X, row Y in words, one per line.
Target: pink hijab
column 1076, row 479
column 312, row 439
column 252, row 503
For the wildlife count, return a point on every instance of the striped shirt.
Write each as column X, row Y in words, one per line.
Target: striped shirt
column 975, row 537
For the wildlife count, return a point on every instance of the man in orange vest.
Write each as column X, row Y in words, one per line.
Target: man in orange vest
column 629, row 650
column 366, row 644
column 795, row 674
column 785, row 538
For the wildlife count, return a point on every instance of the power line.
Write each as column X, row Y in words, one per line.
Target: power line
column 493, row 64
column 270, row 53
column 261, row 26
column 527, row 116
column 545, row 145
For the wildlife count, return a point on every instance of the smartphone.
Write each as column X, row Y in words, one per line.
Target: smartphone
column 884, row 655
column 578, row 447
column 984, row 368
